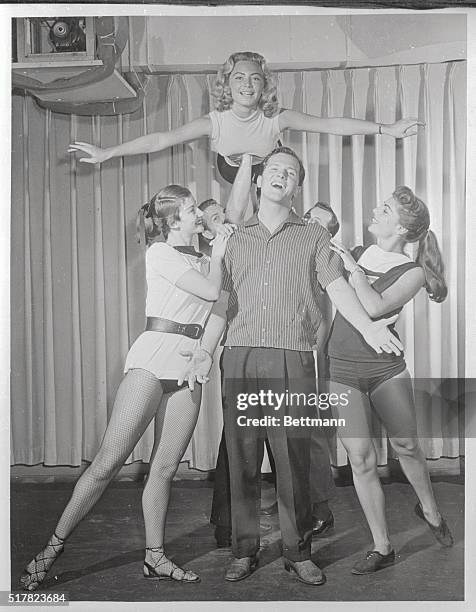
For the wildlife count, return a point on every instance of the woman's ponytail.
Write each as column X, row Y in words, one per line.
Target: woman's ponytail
column 148, row 225
column 430, row 259
column 415, row 218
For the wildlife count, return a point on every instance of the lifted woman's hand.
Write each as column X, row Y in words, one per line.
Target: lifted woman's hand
column 96, row 154
column 347, row 259
column 402, row 128
column 219, row 242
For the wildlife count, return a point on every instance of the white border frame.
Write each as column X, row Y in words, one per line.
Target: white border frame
column 26, row 10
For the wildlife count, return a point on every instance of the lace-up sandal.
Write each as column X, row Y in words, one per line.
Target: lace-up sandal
column 163, row 568
column 36, row 571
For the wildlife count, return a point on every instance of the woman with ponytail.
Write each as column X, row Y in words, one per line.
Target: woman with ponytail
column 385, row 279
column 182, row 285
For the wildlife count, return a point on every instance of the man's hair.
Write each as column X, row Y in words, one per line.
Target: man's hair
column 333, row 225
column 287, row 151
column 210, row 202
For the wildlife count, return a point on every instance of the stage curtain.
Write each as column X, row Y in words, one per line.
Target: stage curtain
column 78, row 285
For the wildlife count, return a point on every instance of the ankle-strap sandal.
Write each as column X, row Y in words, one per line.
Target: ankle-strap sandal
column 165, row 569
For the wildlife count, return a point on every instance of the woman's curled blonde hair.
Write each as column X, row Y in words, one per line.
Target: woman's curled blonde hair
column 222, row 92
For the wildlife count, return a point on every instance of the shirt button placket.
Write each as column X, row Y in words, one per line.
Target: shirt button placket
column 264, row 293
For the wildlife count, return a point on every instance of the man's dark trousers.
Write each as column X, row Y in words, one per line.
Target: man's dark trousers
column 252, row 370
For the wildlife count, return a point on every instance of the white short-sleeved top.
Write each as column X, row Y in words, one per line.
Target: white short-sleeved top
column 377, row 260
column 233, row 135
column 159, row 352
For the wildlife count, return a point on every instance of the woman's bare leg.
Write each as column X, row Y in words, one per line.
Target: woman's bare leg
column 393, row 400
column 357, row 441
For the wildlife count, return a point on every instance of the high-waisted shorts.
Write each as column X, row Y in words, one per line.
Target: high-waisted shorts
column 364, row 376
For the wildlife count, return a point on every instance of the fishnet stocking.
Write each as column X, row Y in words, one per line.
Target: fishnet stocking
column 174, row 425
column 134, row 407
column 37, row 569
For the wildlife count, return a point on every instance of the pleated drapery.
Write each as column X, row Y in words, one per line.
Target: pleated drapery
column 78, row 280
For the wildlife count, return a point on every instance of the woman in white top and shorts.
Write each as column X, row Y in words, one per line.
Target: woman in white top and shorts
column 182, row 285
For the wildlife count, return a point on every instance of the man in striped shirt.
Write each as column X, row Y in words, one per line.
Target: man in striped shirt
column 272, row 268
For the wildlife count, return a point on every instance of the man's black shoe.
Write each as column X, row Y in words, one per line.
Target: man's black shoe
column 239, row 569
column 269, row 510
column 305, row 571
column 322, row 526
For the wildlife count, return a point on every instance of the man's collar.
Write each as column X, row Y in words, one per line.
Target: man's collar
column 292, row 218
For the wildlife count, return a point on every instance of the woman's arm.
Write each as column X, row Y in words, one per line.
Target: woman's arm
column 325, row 324
column 145, row 144
column 344, row 126
column 375, row 333
column 199, row 361
column 216, row 324
column 205, row 287
column 377, row 304
column 396, row 296
column 240, row 193
column 208, row 287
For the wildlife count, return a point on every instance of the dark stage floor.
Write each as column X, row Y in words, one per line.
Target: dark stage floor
column 103, row 558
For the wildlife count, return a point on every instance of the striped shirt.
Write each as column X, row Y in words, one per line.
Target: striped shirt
column 273, row 281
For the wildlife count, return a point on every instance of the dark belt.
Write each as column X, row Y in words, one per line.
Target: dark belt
column 191, row 330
